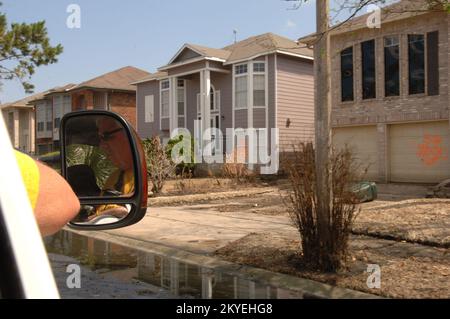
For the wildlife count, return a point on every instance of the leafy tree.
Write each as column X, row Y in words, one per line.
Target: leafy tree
column 23, row 47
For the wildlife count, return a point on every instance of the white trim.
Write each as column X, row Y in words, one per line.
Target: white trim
column 219, row 70
column 171, row 66
column 233, row 102
column 149, row 80
column 185, row 102
column 199, row 59
column 182, row 74
column 137, row 117
column 234, row 85
column 213, row 58
column 250, row 94
column 267, row 95
column 265, row 82
column 267, row 53
column 295, row 55
column 160, row 102
column 276, row 92
column 173, row 107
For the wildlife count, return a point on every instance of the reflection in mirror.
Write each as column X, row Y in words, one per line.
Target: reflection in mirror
column 98, row 157
column 101, row 214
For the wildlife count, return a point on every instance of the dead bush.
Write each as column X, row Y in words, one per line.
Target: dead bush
column 159, row 166
column 239, row 172
column 322, row 250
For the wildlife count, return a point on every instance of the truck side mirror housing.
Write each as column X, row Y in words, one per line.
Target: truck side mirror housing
column 103, row 160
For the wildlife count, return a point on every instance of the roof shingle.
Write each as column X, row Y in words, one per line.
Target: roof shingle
column 120, row 79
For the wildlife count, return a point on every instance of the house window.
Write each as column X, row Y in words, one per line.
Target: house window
column 391, row 66
column 416, row 62
column 49, row 117
column 240, row 86
column 214, row 100
column 433, row 63
column 368, row 69
column 180, row 97
column 259, row 84
column 165, row 91
column 240, row 69
column 347, row 74
column 57, row 122
column 211, row 99
column 259, row 67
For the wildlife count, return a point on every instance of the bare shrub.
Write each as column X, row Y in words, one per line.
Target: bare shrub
column 159, row 166
column 324, row 252
column 239, row 172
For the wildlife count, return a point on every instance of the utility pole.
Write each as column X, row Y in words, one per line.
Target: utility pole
column 322, row 101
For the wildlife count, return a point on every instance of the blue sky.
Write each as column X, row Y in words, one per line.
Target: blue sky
column 145, row 34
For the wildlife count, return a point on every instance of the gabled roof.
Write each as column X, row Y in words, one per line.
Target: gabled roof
column 403, row 9
column 24, row 103
column 47, row 94
column 263, row 44
column 116, row 80
column 201, row 51
column 252, row 47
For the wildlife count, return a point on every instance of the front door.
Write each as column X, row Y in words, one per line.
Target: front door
column 214, row 107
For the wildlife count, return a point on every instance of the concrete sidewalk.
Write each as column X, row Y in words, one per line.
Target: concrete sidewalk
column 199, row 228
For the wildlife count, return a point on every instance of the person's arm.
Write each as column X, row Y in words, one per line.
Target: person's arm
column 53, row 201
column 56, row 204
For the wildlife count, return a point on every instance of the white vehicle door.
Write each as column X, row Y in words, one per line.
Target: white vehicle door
column 25, row 271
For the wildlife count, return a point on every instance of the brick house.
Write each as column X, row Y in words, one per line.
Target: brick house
column 262, row 82
column 111, row 91
column 390, row 92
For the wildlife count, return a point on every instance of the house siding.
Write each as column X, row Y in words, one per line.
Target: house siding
column 240, row 119
column 259, row 117
column 295, row 100
column 147, row 130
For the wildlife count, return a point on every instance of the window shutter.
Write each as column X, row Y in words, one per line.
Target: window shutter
column 433, row 62
column 217, row 100
column 149, row 108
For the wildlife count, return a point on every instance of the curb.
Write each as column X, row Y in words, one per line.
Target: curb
column 195, row 198
column 308, row 288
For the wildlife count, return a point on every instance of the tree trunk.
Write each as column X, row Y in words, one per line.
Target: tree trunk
column 323, row 129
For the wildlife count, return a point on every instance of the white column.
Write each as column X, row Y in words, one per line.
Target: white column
column 16, row 129
column 173, row 108
column 32, row 132
column 205, row 87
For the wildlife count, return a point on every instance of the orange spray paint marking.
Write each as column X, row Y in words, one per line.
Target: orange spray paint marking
column 431, row 150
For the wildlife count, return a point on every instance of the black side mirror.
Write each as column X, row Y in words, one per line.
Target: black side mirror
column 103, row 160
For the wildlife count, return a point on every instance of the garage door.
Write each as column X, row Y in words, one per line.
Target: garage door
column 362, row 141
column 419, row 152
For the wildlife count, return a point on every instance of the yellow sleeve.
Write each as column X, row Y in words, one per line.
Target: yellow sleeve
column 30, row 176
